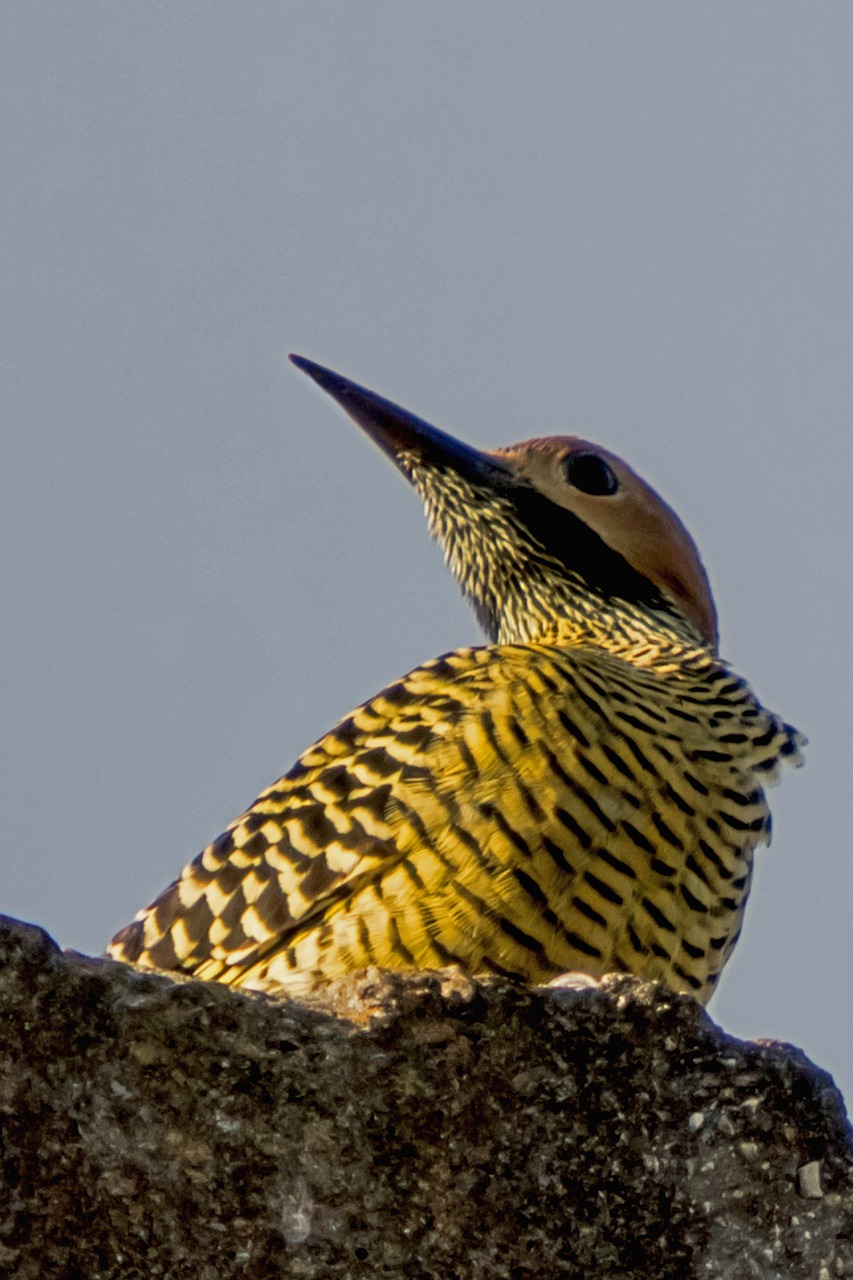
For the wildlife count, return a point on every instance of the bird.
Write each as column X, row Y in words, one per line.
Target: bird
column 582, row 794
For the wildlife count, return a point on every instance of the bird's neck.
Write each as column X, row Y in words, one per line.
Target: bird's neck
column 523, row 594
column 531, row 603
column 578, row 618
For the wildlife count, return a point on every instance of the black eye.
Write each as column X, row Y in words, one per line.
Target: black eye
column 590, row 474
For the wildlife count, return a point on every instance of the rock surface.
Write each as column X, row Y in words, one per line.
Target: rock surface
column 412, row 1126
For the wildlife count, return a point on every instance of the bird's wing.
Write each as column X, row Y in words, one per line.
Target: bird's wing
column 335, row 821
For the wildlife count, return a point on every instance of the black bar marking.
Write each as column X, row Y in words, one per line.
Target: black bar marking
column 563, row 816
column 573, row 729
column 664, row 830
column 624, row 868
column 530, row 887
column 692, row 901
column 658, row 916
column 637, row 837
column 591, row 914
column 603, row 889
column 556, row 854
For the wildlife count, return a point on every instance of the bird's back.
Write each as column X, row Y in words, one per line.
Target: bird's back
column 527, row 809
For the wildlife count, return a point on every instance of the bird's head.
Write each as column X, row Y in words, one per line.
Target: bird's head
column 549, row 537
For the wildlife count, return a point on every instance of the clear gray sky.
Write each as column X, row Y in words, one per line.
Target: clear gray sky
column 631, row 221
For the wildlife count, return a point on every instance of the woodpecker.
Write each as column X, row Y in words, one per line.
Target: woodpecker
column 584, row 793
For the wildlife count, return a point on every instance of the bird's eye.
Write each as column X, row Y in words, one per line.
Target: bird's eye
column 590, row 474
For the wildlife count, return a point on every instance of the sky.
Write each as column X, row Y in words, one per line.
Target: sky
column 628, row 221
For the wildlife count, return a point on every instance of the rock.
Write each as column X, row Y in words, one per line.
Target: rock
column 411, row 1126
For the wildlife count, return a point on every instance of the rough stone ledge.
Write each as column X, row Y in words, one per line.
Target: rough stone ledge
column 410, row 1126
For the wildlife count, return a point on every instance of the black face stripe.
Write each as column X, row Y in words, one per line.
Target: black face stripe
column 580, row 550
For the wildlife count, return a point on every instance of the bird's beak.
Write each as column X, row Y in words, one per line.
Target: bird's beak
column 402, row 435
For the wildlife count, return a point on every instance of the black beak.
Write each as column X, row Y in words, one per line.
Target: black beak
column 402, row 435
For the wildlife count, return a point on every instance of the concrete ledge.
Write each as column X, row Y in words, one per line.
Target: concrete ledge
column 410, row 1126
